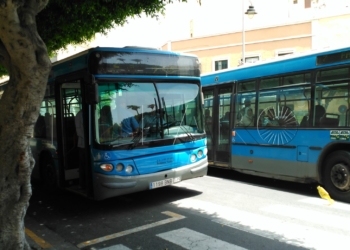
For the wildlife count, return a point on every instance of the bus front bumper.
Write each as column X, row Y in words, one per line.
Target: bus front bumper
column 106, row 186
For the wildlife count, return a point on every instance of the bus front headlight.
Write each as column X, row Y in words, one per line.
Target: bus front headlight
column 128, row 169
column 119, row 167
column 193, row 158
column 205, row 151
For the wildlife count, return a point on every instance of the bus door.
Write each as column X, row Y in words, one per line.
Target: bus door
column 218, row 101
column 71, row 110
column 208, row 121
column 223, row 138
column 70, row 105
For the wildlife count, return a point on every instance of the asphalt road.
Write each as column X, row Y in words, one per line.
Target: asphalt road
column 224, row 210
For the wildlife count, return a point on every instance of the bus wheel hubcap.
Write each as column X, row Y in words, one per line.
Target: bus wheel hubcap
column 340, row 177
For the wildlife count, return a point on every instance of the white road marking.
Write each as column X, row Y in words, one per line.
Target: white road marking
column 321, row 202
column 282, row 229
column 174, row 217
column 116, row 247
column 193, row 240
column 310, row 215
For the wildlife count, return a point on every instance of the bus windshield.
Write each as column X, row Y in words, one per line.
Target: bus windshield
column 147, row 111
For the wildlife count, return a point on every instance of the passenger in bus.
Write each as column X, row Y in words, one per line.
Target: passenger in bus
column 271, row 119
column 226, row 117
column 106, row 116
column 208, row 120
column 248, row 118
column 262, row 117
column 287, row 117
column 247, row 104
column 305, row 121
column 320, row 111
column 40, row 127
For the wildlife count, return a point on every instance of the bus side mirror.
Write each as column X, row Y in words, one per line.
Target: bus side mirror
column 91, row 90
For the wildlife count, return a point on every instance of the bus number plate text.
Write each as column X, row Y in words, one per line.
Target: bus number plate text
column 162, row 183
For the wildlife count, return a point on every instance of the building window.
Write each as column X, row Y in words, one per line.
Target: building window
column 307, row 4
column 284, row 53
column 252, row 59
column 221, row 64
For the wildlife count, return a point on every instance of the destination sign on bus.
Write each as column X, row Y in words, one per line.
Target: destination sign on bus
column 333, row 58
column 139, row 63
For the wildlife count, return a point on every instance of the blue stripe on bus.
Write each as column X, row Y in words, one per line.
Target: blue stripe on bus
column 254, row 145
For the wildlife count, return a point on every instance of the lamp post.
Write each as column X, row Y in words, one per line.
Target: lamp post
column 250, row 12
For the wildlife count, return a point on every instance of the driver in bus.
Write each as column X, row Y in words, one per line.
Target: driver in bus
column 126, row 120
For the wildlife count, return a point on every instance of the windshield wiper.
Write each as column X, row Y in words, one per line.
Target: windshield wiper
column 188, row 133
column 144, row 131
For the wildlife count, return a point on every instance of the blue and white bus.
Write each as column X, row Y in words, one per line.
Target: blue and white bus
column 287, row 119
column 101, row 154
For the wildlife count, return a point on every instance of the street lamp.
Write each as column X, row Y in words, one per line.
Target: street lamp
column 250, row 12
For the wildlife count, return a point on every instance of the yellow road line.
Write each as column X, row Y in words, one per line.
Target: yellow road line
column 174, row 217
column 42, row 243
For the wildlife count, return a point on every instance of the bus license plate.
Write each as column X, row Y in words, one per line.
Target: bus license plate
column 162, row 183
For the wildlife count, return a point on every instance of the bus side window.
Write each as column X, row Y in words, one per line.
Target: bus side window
column 329, row 120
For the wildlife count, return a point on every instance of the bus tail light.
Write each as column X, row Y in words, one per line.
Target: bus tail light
column 233, row 133
column 107, row 167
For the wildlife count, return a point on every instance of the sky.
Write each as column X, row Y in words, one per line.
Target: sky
column 210, row 18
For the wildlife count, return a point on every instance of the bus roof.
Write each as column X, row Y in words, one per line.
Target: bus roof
column 123, row 49
column 128, row 61
column 283, row 65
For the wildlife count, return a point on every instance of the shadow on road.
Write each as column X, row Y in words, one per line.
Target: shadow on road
column 308, row 189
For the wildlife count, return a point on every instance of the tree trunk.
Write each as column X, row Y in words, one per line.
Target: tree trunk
column 25, row 56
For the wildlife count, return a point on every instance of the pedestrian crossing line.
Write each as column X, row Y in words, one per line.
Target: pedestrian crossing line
column 270, row 227
column 116, row 247
column 310, row 215
column 289, row 233
column 193, row 240
column 42, row 243
column 174, row 217
column 321, row 202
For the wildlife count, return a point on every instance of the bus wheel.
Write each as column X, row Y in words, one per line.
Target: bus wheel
column 49, row 175
column 336, row 176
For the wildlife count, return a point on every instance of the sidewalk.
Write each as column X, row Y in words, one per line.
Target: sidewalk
column 41, row 237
